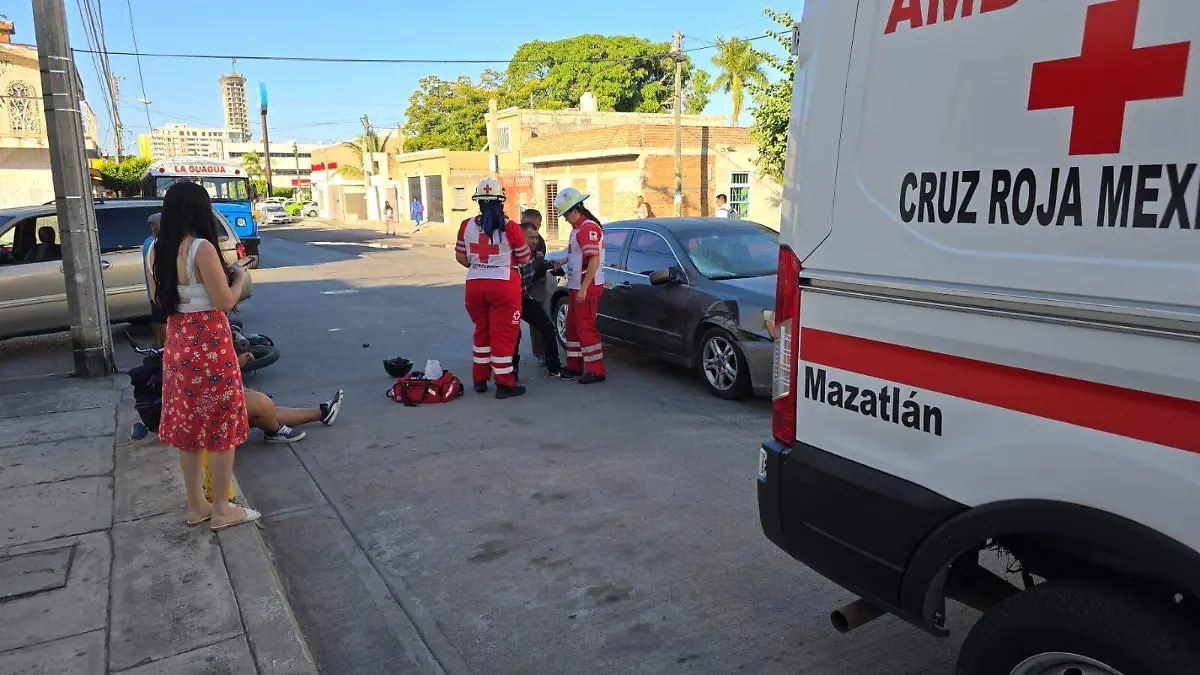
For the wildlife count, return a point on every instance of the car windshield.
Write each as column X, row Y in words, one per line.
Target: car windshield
column 219, row 189
column 272, row 207
column 732, row 253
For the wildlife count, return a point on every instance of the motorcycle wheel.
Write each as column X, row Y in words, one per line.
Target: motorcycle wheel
column 264, row 355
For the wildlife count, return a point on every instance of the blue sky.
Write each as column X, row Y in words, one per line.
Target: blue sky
column 322, row 102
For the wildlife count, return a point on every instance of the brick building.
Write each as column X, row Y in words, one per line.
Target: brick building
column 616, row 164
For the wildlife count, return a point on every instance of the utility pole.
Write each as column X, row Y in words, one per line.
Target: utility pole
column 267, row 149
column 369, row 164
column 677, row 54
column 296, row 159
column 115, row 89
column 91, row 338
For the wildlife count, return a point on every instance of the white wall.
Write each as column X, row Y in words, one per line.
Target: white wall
column 25, row 178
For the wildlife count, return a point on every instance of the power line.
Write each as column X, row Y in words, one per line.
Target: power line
column 141, row 77
column 345, row 59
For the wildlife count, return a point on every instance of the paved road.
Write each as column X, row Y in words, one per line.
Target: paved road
column 606, row 529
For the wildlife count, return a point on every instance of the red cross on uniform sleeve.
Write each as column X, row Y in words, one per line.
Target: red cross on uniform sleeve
column 1108, row 74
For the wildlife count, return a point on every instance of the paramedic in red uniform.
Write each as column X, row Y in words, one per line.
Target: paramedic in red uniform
column 491, row 246
column 585, row 281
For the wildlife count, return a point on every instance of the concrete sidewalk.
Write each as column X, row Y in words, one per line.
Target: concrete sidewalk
column 99, row 572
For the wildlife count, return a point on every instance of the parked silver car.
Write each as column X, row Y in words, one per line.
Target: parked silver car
column 33, row 297
column 270, row 214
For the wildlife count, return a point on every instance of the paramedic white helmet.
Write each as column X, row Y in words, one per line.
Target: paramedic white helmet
column 489, row 188
column 568, row 199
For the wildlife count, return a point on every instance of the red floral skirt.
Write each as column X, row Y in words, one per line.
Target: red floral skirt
column 203, row 406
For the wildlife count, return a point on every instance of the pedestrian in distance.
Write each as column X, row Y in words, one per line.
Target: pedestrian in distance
column 158, row 320
column 723, row 208
column 643, row 209
column 203, row 403
column 533, row 311
column 491, row 247
column 389, row 219
column 418, row 211
column 585, row 283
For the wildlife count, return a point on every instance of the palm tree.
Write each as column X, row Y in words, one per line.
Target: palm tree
column 739, row 64
column 374, row 144
column 252, row 164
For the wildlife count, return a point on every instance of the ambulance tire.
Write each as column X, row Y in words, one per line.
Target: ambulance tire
column 1047, row 628
column 718, row 346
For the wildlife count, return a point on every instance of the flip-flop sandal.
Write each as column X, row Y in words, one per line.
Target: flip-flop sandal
column 205, row 519
column 250, row 515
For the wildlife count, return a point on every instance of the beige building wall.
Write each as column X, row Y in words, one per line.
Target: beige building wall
column 459, row 172
column 25, row 177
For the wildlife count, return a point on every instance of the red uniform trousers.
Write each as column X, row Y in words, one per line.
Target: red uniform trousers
column 495, row 307
column 583, row 340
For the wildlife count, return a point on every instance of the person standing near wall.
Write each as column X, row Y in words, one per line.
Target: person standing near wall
column 491, row 247
column 585, row 283
column 643, row 209
column 389, row 219
column 417, row 213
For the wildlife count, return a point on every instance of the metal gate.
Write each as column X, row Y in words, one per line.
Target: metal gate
column 414, row 192
column 433, row 192
column 551, row 212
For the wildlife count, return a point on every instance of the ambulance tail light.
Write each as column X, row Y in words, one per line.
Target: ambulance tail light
column 787, row 347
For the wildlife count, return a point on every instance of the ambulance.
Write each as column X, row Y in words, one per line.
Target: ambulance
column 987, row 364
column 228, row 185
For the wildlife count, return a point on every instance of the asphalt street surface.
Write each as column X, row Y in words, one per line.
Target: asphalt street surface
column 579, row 529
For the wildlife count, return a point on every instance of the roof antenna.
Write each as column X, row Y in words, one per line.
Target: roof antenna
column 233, row 65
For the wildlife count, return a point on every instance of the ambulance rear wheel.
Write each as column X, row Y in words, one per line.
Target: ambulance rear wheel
column 723, row 366
column 1082, row 627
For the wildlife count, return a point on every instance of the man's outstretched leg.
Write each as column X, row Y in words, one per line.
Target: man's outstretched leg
column 277, row 423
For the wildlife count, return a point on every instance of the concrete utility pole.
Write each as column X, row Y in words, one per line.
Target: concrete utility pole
column 91, row 338
column 369, row 165
column 267, row 149
column 677, row 54
column 115, row 90
column 296, row 159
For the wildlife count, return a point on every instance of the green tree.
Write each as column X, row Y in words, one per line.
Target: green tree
column 696, row 95
column 627, row 74
column 124, row 177
column 373, row 144
column 449, row 113
column 773, row 112
column 740, row 65
column 252, row 164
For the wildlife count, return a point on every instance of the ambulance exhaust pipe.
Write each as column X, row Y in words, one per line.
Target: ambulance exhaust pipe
column 854, row 615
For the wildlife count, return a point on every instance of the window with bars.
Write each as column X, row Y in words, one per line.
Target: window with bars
column 551, row 212
column 23, row 115
column 739, row 193
column 503, row 138
column 460, row 199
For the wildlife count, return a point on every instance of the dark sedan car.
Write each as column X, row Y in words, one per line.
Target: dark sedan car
column 696, row 291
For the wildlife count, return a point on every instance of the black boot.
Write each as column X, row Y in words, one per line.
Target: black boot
column 510, row 392
column 591, row 378
column 481, row 387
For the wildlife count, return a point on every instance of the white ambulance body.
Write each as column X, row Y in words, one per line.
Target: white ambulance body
column 989, row 304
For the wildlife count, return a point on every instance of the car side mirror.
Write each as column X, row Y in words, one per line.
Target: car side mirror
column 671, row 275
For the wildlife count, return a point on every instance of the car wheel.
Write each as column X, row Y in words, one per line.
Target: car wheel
column 560, row 320
column 1084, row 627
column 724, row 366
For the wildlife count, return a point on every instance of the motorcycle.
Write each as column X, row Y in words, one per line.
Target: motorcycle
column 255, row 351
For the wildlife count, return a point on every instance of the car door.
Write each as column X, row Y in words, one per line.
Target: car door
column 656, row 315
column 122, row 230
column 33, row 296
column 609, row 311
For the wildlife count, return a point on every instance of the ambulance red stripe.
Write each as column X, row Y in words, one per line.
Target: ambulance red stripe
column 1141, row 415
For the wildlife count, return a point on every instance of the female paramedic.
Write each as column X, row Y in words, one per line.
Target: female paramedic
column 491, row 246
column 585, row 281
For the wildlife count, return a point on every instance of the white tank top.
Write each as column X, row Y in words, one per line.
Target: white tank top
column 489, row 258
column 193, row 296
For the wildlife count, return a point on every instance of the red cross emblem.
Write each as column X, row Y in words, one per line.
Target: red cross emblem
column 1108, row 73
column 487, row 189
column 484, row 249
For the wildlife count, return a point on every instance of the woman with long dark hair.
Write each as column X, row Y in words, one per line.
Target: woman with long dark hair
column 585, row 282
column 204, row 407
column 491, row 246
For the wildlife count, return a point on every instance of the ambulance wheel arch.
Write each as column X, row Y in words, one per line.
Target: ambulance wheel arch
column 1054, row 540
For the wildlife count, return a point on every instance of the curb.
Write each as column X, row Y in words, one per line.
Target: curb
column 271, row 628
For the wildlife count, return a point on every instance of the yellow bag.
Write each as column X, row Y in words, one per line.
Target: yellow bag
column 208, row 491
